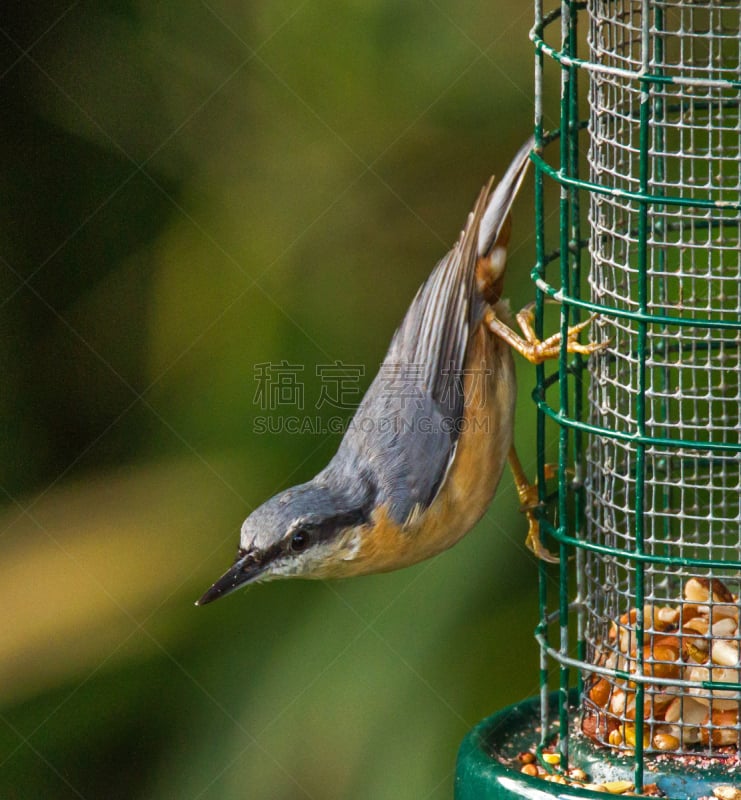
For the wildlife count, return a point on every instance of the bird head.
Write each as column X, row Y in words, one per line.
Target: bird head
column 300, row 532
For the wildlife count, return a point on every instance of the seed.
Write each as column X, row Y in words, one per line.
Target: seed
column 673, row 710
column 627, row 641
column 695, row 650
column 668, row 640
column 617, row 702
column 667, row 616
column 662, row 653
column 577, row 774
column 615, row 738
column 526, row 757
column 629, row 734
column 725, row 653
column 618, row 787
column 529, row 769
column 600, row 692
column 723, row 733
column 725, row 626
column 629, row 617
column 697, row 625
column 665, row 741
column 697, row 590
column 727, row 793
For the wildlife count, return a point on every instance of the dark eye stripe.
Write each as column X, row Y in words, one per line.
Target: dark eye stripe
column 314, row 533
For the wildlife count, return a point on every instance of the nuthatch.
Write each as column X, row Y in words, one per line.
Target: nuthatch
column 413, row 475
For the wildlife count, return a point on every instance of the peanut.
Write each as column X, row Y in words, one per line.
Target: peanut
column 600, row 692
column 727, row 793
column 723, row 734
column 655, row 661
column 665, row 742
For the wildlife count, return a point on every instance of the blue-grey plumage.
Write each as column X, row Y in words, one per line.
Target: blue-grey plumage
column 422, row 457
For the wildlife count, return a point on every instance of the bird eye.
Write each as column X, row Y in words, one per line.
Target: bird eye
column 299, row 540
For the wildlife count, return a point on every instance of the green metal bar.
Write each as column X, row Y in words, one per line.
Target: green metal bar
column 646, row 558
column 697, row 224
column 640, row 471
column 577, row 366
column 563, row 437
column 638, row 316
column 691, row 202
column 646, row 680
column 540, row 373
column 567, row 60
column 659, row 228
column 667, row 441
column 678, row 108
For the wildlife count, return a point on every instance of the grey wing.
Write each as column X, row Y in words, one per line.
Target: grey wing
column 405, row 431
column 403, row 437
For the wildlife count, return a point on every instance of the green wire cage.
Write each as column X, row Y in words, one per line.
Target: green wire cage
column 639, row 628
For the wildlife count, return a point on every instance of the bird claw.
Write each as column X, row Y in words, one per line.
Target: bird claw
column 529, row 502
column 535, row 544
column 535, row 350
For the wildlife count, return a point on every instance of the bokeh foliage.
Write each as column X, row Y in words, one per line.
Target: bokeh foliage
column 189, row 190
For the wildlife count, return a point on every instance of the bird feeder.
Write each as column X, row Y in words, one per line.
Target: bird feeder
column 639, row 627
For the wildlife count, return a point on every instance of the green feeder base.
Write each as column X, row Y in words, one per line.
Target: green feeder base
column 488, row 767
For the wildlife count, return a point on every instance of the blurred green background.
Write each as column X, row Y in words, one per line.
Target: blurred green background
column 190, row 189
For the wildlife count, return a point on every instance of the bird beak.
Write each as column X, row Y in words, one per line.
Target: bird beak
column 244, row 570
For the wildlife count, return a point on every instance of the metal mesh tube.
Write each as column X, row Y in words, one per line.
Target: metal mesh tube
column 649, row 430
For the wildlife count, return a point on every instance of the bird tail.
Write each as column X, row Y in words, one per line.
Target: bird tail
column 500, row 202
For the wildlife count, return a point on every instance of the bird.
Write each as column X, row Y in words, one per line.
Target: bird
column 423, row 455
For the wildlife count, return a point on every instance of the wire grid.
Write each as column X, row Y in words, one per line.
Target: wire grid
column 658, row 439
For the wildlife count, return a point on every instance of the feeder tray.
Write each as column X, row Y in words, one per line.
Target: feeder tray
column 490, row 762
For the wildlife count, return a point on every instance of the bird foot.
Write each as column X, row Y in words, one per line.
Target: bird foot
column 534, row 543
column 528, row 503
column 535, row 350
